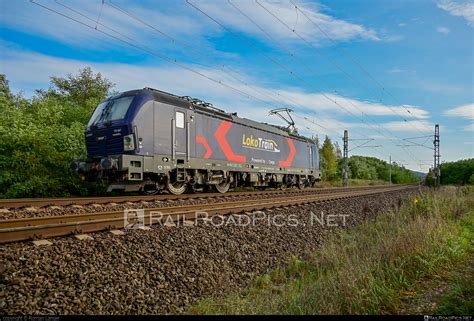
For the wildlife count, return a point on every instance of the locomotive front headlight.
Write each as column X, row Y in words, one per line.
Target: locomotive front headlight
column 128, row 142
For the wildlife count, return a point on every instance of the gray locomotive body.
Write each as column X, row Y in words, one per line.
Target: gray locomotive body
column 148, row 140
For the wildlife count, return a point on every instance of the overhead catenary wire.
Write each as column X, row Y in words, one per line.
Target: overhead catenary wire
column 331, row 61
column 292, row 55
column 200, row 52
column 123, row 38
column 286, row 68
column 151, row 52
column 278, row 63
column 131, row 42
column 334, row 64
column 359, row 65
column 271, row 38
column 174, row 40
column 326, row 57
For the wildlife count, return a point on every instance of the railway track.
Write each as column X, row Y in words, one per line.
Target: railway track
column 44, row 202
column 13, row 230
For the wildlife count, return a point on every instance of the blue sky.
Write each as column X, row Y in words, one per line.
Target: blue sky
column 384, row 70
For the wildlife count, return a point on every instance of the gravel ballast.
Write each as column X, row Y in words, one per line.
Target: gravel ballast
column 167, row 268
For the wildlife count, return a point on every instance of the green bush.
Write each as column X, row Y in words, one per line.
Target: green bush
column 40, row 137
column 371, row 168
column 455, row 173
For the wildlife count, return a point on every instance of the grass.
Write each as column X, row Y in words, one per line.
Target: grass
column 352, row 182
column 366, row 269
column 336, row 183
column 460, row 298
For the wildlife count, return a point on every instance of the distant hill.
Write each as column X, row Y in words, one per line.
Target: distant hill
column 418, row 174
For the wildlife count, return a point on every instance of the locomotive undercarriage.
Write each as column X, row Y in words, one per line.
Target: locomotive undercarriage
column 127, row 173
column 193, row 180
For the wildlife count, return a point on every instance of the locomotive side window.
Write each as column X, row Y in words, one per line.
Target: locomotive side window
column 179, row 119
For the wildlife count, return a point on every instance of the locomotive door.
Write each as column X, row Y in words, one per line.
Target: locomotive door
column 181, row 136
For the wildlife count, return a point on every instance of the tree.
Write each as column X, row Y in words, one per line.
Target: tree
column 329, row 156
column 43, row 135
column 459, row 172
column 80, row 93
column 371, row 168
column 5, row 92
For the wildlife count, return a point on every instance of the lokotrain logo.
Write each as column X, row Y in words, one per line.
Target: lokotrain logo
column 260, row 143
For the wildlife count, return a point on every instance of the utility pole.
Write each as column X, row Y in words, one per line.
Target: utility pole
column 390, row 170
column 345, row 169
column 436, row 169
column 436, row 164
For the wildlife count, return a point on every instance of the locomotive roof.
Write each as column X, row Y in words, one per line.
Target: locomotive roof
column 205, row 108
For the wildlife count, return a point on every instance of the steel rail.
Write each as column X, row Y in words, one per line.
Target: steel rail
column 44, row 202
column 14, row 230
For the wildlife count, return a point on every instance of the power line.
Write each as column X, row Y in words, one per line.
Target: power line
column 274, row 61
column 183, row 44
column 331, row 61
column 319, row 53
column 267, row 34
column 285, row 50
column 147, row 50
column 282, row 66
column 347, row 54
column 143, row 48
column 267, row 56
column 327, row 58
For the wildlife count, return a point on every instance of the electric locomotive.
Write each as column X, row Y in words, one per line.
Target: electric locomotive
column 148, row 140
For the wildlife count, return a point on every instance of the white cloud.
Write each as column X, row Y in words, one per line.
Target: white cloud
column 354, row 106
column 29, row 71
column 443, row 30
column 337, row 29
column 461, row 9
column 402, row 24
column 469, row 127
column 174, row 18
column 393, row 38
column 410, row 126
column 395, row 70
column 30, row 18
column 464, row 111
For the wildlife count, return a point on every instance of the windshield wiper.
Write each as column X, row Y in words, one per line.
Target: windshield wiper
column 105, row 112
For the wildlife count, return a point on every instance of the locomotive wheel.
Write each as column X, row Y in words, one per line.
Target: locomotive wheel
column 301, row 184
column 222, row 187
column 191, row 189
column 176, row 188
column 283, row 186
column 151, row 189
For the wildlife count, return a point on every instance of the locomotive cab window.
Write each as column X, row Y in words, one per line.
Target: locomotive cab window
column 110, row 110
column 179, row 119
